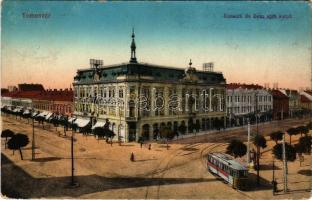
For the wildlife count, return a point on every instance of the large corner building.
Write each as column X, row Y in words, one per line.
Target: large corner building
column 139, row 99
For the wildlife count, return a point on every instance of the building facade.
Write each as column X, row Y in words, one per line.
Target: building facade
column 33, row 96
column 139, row 99
column 306, row 100
column 244, row 100
column 294, row 101
column 280, row 105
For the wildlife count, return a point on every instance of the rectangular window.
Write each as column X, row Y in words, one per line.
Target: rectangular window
column 120, row 93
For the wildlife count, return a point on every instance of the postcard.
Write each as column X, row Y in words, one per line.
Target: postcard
column 156, row 99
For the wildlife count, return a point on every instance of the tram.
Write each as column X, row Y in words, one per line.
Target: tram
column 226, row 167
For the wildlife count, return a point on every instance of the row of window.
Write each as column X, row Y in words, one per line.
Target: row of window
column 101, row 91
column 247, row 109
column 226, row 168
column 61, row 108
column 248, row 99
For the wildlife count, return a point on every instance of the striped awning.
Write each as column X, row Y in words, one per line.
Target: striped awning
column 48, row 116
column 71, row 119
column 26, row 112
column 81, row 122
column 98, row 124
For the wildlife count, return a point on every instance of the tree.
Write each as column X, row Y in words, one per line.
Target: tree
column 64, row 123
column 182, row 128
column 276, row 136
column 197, row 126
column 27, row 116
column 55, row 122
column 141, row 141
column 291, row 132
column 303, row 130
column 156, row 133
column 290, row 152
column 18, row 141
column 40, row 120
column 236, row 148
column 309, row 125
column 260, row 141
column 7, row 133
column 304, row 145
column 109, row 135
column 167, row 133
column 99, row 132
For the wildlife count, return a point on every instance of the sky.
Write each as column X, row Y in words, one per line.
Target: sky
column 247, row 50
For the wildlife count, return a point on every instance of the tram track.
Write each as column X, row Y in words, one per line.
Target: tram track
column 204, row 162
column 159, row 169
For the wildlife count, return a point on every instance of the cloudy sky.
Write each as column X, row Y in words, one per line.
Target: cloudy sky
column 246, row 50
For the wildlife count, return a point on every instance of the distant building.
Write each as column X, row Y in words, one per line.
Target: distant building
column 30, row 87
column 56, row 101
column 4, row 90
column 294, row 101
column 12, row 88
column 280, row 105
column 244, row 100
column 306, row 100
column 140, row 99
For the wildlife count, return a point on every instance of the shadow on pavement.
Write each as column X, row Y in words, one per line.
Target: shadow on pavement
column 46, row 159
column 252, row 183
column 268, row 167
column 17, row 183
column 306, row 172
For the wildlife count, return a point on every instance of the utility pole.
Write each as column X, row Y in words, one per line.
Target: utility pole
column 72, row 182
column 248, row 148
column 284, row 165
column 274, row 183
column 33, row 141
column 258, row 147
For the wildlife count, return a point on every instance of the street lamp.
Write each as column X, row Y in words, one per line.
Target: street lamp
column 73, row 184
column 258, row 147
column 33, row 139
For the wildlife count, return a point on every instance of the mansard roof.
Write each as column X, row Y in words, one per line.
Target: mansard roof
column 144, row 72
column 243, row 86
column 304, row 99
column 278, row 94
column 51, row 95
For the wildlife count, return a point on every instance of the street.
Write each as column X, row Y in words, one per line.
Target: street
column 105, row 171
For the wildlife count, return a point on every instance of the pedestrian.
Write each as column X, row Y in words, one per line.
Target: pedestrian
column 132, row 157
column 149, row 146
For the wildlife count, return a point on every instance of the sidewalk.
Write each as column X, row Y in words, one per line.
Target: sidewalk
column 190, row 135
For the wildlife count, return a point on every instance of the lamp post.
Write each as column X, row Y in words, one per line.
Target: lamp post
column 274, row 183
column 33, row 140
column 72, row 184
column 258, row 147
column 248, row 148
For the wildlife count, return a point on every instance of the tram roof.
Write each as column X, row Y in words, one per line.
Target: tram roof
column 228, row 160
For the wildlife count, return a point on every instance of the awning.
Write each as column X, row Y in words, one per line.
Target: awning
column 48, row 116
column 82, row 122
column 16, row 110
column 98, row 124
column 71, row 119
column 26, row 112
column 43, row 114
column 34, row 114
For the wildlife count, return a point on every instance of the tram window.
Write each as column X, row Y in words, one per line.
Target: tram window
column 234, row 173
column 242, row 173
